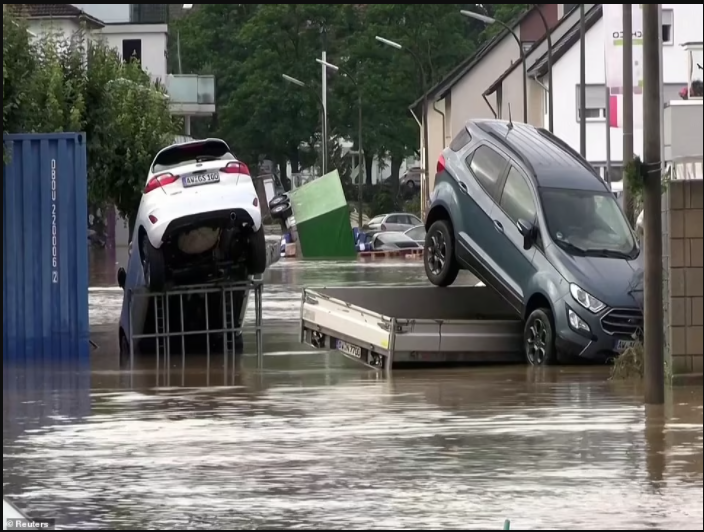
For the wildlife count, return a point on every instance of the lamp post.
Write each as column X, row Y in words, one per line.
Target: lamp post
column 548, row 35
column 489, row 20
column 426, row 152
column 323, row 150
column 360, row 149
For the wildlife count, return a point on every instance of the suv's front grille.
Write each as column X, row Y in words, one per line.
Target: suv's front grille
column 622, row 322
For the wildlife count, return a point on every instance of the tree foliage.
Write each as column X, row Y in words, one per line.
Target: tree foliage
column 249, row 46
column 59, row 83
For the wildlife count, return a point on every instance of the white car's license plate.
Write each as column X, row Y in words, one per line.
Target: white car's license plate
column 623, row 345
column 348, row 349
column 200, row 179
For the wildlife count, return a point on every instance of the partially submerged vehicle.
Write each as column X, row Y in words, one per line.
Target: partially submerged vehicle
column 199, row 219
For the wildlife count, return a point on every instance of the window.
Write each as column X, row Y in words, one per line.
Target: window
column 132, row 49
column 461, row 140
column 586, row 222
column 517, row 198
column 668, row 34
column 487, row 166
column 414, row 220
column 595, row 100
column 417, row 233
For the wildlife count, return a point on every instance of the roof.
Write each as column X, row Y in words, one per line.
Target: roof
column 457, row 73
column 494, row 86
column 552, row 162
column 565, row 43
column 57, row 11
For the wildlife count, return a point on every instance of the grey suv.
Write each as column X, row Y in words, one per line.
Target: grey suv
column 530, row 217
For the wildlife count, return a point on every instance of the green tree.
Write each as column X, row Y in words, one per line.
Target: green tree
column 58, row 84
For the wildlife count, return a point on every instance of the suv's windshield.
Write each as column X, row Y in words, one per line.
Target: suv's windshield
column 582, row 221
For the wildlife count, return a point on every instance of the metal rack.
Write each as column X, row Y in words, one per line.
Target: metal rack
column 232, row 319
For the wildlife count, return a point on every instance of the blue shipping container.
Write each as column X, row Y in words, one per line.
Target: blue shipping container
column 45, row 251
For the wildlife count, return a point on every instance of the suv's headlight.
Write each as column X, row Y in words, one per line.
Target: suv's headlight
column 587, row 300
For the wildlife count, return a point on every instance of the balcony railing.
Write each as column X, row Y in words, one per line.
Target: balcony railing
column 191, row 93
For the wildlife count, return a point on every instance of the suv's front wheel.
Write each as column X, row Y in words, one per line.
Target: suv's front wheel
column 441, row 266
column 539, row 338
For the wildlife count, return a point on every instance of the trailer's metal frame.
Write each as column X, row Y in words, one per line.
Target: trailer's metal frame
column 232, row 325
column 365, row 328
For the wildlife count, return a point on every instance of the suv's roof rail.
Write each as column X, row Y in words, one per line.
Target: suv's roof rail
column 502, row 140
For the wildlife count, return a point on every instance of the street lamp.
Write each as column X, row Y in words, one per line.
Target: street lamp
column 548, row 34
column 426, row 153
column 323, row 150
column 362, row 165
column 489, row 20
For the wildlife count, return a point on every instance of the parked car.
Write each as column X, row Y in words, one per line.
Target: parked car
column 411, row 179
column 398, row 221
column 199, row 219
column 531, row 218
column 417, row 234
column 392, row 241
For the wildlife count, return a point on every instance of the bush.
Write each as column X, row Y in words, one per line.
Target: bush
column 630, row 365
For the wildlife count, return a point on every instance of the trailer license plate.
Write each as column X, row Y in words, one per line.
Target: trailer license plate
column 623, row 345
column 348, row 349
column 201, row 179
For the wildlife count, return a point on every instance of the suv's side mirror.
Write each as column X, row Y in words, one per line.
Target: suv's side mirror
column 527, row 230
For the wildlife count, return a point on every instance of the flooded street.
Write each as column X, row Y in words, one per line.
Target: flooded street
column 316, row 441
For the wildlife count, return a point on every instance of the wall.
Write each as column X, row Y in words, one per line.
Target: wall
column 154, row 44
column 467, row 101
column 45, row 249
column 683, row 263
column 688, row 26
column 66, row 26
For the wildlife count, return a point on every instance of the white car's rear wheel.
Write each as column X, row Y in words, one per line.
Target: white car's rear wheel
column 154, row 266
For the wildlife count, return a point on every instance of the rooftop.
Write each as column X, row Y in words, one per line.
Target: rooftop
column 52, row 11
column 552, row 162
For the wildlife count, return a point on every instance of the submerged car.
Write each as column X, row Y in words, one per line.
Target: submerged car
column 532, row 219
column 199, row 219
column 393, row 241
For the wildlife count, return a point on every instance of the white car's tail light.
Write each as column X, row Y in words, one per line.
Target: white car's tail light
column 160, row 181
column 235, row 167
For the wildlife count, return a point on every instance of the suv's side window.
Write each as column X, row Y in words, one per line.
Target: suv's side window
column 487, row 166
column 517, row 198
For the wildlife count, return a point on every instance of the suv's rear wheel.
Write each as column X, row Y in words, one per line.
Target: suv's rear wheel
column 539, row 338
column 441, row 266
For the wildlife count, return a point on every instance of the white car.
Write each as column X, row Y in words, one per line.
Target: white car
column 199, row 219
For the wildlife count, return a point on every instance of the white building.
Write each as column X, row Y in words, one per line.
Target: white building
column 681, row 23
column 134, row 30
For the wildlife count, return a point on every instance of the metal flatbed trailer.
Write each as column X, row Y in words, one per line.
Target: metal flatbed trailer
column 385, row 325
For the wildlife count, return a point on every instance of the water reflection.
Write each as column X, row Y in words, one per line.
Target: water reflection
column 316, row 442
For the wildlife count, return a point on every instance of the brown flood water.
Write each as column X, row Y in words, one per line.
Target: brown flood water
column 315, row 441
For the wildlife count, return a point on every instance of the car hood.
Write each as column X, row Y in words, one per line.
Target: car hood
column 615, row 282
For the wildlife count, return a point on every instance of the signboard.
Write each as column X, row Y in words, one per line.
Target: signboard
column 613, row 62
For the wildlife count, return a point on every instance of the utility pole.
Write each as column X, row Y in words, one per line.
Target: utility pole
column 324, row 97
column 582, row 81
column 652, row 204
column 628, row 106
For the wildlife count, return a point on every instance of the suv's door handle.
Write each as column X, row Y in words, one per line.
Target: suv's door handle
column 463, row 187
column 499, row 226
